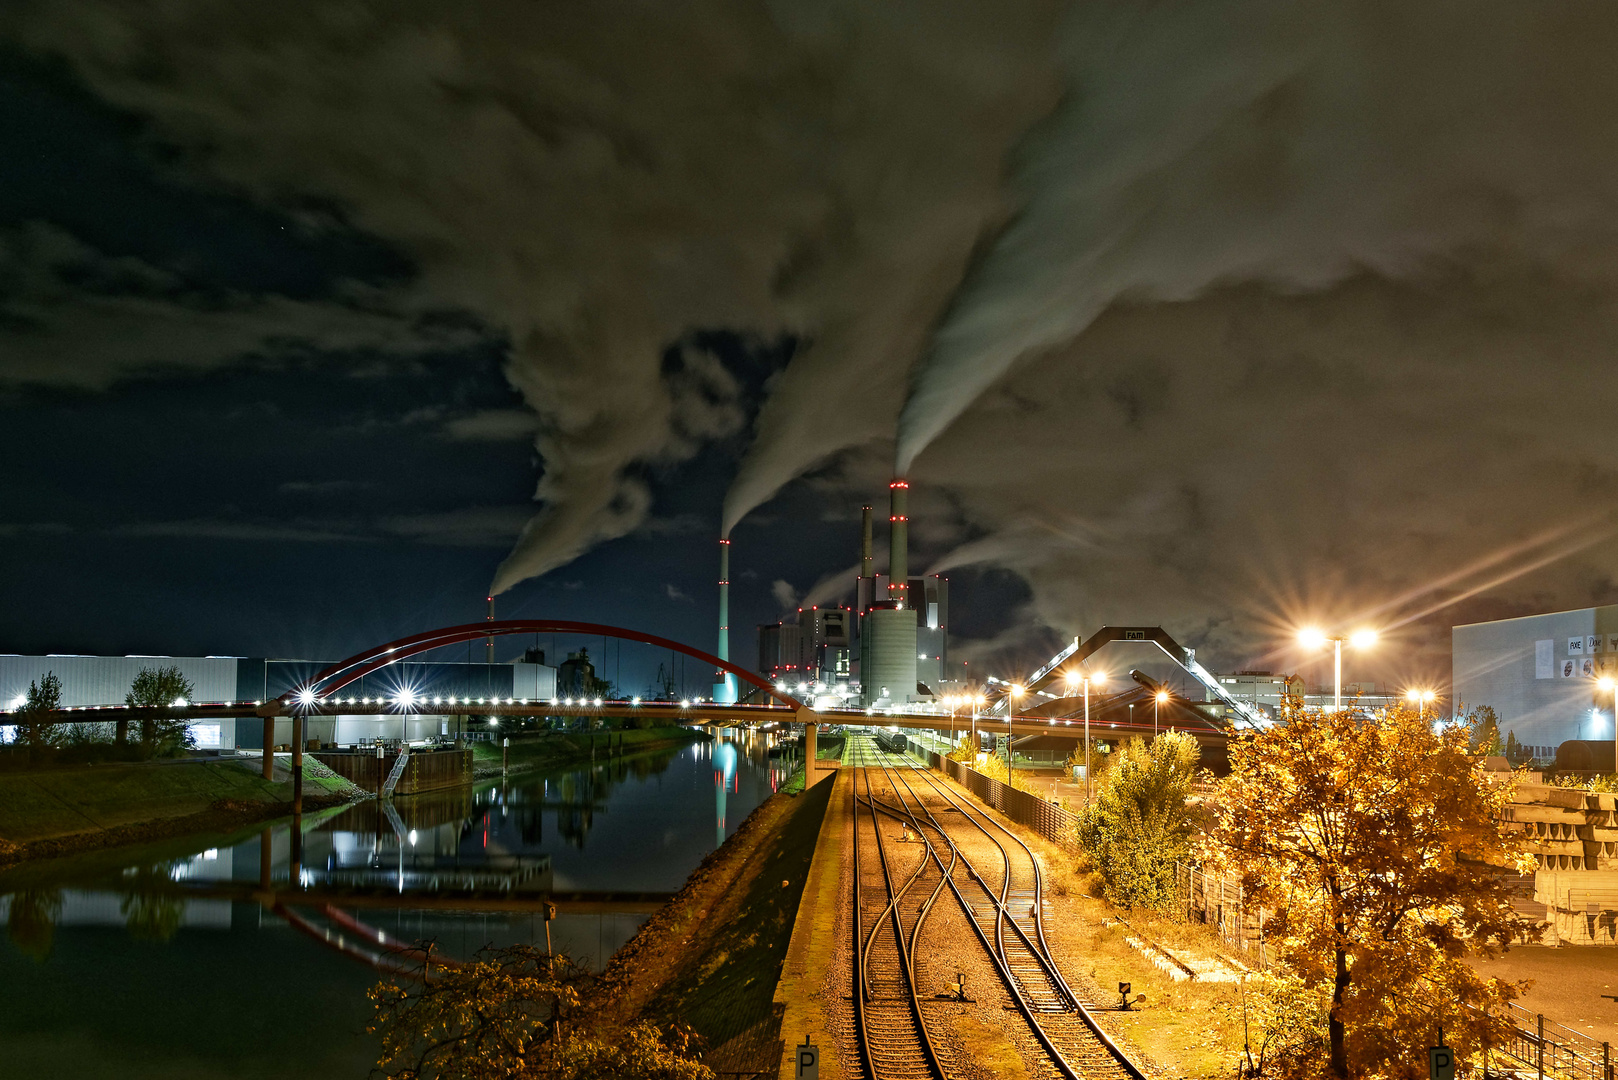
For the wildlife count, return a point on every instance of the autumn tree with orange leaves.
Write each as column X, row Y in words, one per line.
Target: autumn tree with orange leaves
column 1368, row 840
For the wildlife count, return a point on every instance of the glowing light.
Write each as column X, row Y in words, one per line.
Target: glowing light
column 1162, row 696
column 634, row 701
column 1362, row 639
column 180, row 703
column 306, row 697
column 598, row 702
column 1607, row 682
column 412, row 837
column 494, row 721
column 1312, row 638
column 686, row 703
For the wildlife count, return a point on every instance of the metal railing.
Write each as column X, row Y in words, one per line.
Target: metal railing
column 1556, row 1050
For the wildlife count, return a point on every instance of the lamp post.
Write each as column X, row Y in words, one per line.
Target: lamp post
column 1609, row 683
column 1422, row 698
column 1075, row 678
column 1157, row 705
column 1314, row 639
column 1013, row 692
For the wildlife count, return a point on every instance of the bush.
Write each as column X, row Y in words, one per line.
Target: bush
column 1139, row 824
column 510, row 1014
column 1285, row 1023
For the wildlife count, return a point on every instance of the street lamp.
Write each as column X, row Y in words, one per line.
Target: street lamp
column 1315, row 639
column 1013, row 692
column 1157, row 705
column 1085, row 678
column 1422, row 698
column 1609, row 683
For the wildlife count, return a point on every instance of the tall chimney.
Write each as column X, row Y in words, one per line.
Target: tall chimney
column 899, row 541
column 724, row 689
column 488, row 650
column 865, row 541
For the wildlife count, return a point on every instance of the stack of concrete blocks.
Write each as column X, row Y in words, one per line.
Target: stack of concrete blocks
column 1573, row 835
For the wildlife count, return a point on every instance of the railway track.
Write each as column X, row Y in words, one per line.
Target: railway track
column 996, row 880
column 890, row 909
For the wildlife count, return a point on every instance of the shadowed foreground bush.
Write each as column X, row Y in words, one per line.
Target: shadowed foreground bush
column 516, row 1013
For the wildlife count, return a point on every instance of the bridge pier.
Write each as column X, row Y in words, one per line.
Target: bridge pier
column 297, row 763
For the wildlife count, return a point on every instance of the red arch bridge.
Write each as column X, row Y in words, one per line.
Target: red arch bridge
column 765, row 703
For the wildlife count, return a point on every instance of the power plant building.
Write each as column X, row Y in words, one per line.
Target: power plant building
column 815, row 648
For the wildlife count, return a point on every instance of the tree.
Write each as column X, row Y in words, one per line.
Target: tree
column 1371, row 839
column 1514, row 750
column 509, row 1015
column 34, row 726
column 1485, row 729
column 160, row 688
column 31, row 924
column 1140, row 824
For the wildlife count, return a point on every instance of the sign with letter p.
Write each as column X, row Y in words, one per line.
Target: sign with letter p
column 1441, row 1063
column 808, row 1065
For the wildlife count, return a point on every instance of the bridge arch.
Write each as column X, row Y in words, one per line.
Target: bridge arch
column 340, row 674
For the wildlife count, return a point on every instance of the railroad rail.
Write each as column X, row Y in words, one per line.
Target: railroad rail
column 1002, row 896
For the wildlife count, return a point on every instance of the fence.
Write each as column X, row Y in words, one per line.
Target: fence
column 1217, row 901
column 1045, row 818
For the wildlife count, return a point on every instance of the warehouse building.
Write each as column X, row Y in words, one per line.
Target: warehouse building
column 1541, row 675
column 105, row 680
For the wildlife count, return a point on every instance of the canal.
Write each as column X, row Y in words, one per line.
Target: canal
column 156, row 962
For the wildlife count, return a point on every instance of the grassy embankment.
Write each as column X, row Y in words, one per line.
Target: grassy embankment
column 711, row 957
column 559, row 749
column 50, row 812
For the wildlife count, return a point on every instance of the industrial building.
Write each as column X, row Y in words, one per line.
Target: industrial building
column 1540, row 674
column 902, row 621
column 105, row 680
column 1267, row 691
column 814, row 648
column 892, row 646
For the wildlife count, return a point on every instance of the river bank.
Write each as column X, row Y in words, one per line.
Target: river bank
column 52, row 812
column 710, row 959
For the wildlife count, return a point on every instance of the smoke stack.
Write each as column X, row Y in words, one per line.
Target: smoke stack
column 899, row 541
column 724, row 689
column 488, row 648
column 865, row 541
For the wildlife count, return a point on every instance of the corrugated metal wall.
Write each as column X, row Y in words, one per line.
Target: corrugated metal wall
column 104, row 680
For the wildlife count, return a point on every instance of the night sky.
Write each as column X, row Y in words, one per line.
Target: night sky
column 319, row 321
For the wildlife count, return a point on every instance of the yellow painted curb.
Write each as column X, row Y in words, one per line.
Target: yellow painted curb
column 814, row 937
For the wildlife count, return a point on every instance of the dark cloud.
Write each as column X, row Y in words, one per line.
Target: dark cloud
column 1218, row 316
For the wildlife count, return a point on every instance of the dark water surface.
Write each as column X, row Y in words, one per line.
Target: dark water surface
column 156, row 961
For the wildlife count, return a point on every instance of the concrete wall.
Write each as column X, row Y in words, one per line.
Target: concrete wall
column 1529, row 671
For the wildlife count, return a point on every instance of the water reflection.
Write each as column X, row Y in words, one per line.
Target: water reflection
column 273, row 936
column 611, row 829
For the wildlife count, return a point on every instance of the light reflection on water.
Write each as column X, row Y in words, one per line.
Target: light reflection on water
column 164, row 961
